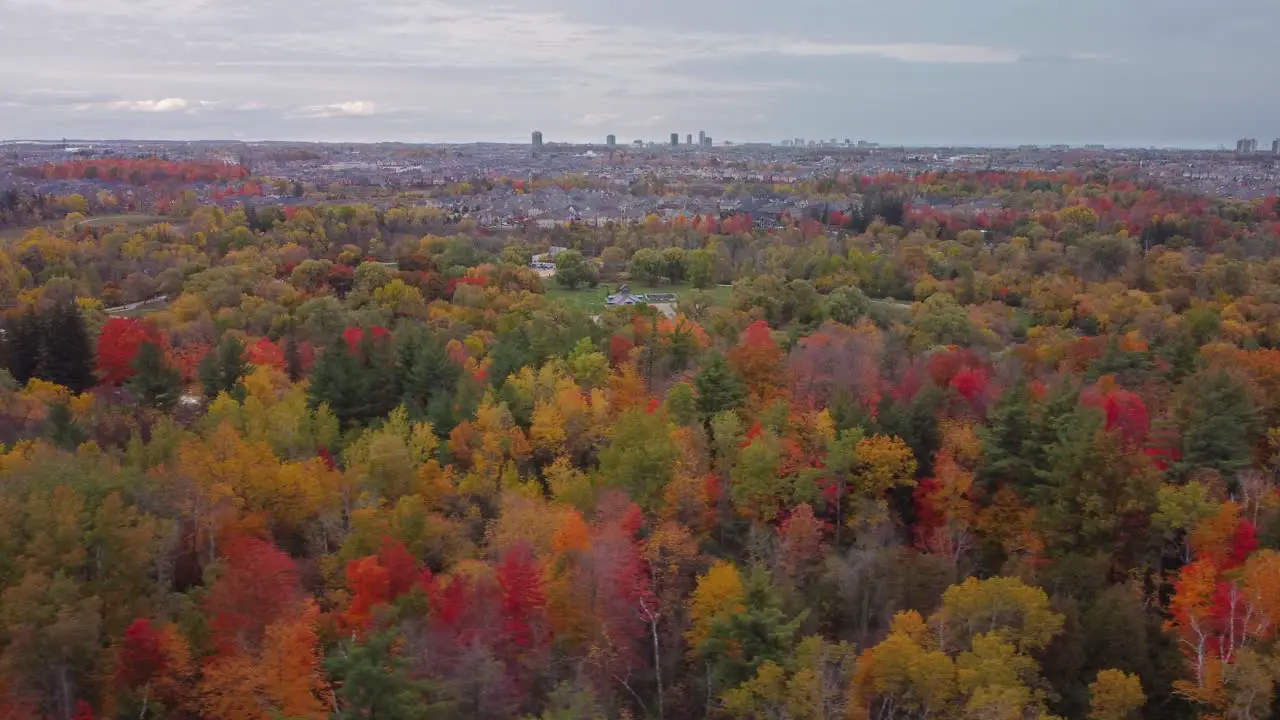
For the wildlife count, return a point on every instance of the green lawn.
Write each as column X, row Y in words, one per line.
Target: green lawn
column 593, row 300
column 126, row 220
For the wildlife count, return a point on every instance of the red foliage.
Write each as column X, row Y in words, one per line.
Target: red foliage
column 1127, row 415
column 118, row 345
column 186, row 359
column 757, row 357
column 370, row 586
column 327, row 457
column 523, row 601
column 928, row 517
column 142, row 655
column 402, row 569
column 82, row 711
column 972, row 384
column 257, row 585
column 945, row 365
column 354, row 336
column 264, row 352
column 619, row 349
column 142, row 171
column 1243, row 543
column 379, row 579
column 836, row 361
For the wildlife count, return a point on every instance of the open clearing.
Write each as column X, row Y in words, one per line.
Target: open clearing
column 593, row 299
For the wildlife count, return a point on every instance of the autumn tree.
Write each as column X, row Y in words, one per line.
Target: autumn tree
column 1115, row 695
column 118, row 345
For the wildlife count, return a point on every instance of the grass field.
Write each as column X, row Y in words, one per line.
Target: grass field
column 109, row 221
column 593, row 300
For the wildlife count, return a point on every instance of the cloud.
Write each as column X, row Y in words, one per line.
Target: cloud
column 351, row 108
column 454, row 69
column 167, row 105
column 903, row 52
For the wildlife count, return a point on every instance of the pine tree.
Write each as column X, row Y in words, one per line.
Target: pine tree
column 719, row 387
column 738, row 643
column 224, row 369
column 292, row 358
column 334, row 382
column 24, row 340
column 426, row 372
column 63, row 430
column 155, row 383
column 1219, row 423
column 372, row 681
column 66, row 357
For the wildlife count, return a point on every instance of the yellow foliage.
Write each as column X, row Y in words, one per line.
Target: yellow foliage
column 719, row 593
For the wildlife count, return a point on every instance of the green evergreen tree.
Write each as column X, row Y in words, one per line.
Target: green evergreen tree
column 358, row 384
column 24, row 340
column 1018, row 435
column 1219, row 423
column 62, row 428
column 372, row 682
column 719, row 387
column 292, row 358
column 155, row 383
column 224, row 369
column 739, row 643
column 335, row 382
column 1005, row 437
column 425, row 372
column 66, row 357
column 378, row 378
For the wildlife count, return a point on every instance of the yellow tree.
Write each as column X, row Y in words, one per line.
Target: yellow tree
column 719, row 593
column 1115, row 695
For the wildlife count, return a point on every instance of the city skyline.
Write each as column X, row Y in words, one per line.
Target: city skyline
column 997, row 72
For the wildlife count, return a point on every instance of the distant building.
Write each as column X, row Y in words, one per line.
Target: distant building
column 675, row 139
column 688, row 139
column 1275, row 146
column 624, row 296
column 702, row 137
column 706, row 141
column 1095, row 147
column 537, row 139
column 1244, row 146
column 611, row 141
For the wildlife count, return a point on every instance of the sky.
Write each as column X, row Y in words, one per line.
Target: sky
column 1186, row 73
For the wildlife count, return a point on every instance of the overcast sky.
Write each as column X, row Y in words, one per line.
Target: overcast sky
column 1133, row 72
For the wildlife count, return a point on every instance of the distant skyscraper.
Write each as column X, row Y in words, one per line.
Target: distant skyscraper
column 675, row 139
column 702, row 137
column 706, row 140
column 611, row 140
column 1275, row 146
column 688, row 139
column 537, row 139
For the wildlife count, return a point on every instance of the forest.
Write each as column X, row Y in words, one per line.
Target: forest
column 360, row 462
